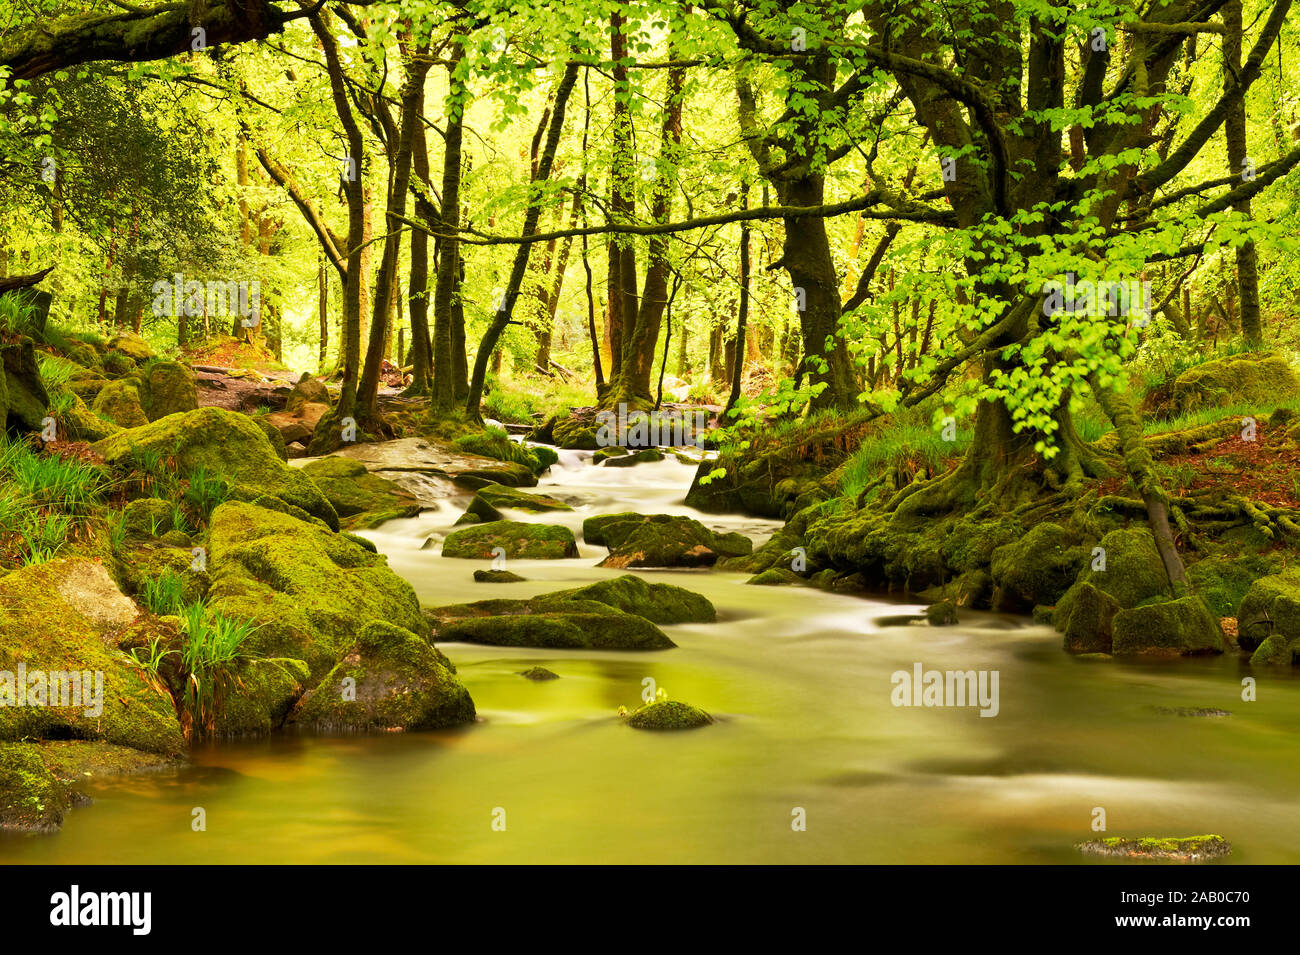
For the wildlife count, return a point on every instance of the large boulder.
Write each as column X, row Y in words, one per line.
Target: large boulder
column 1036, row 569
column 512, row 539
column 26, row 400
column 361, row 499
column 1133, row 572
column 661, row 540
column 169, row 389
column 1253, row 378
column 120, row 401
column 307, row 391
column 1268, row 621
column 659, row 603
column 312, row 587
column 227, row 444
column 1184, row 626
column 498, row 495
column 64, row 617
column 1086, row 620
column 79, row 423
column 391, row 679
column 128, row 343
column 600, row 628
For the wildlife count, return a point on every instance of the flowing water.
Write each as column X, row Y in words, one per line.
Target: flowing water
column 800, row 682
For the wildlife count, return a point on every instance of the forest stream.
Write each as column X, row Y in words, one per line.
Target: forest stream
column 799, row 681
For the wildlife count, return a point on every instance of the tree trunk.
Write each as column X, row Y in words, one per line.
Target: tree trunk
column 1234, row 129
column 446, row 286
column 502, row 317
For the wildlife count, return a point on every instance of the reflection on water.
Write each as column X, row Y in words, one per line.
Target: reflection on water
column 800, row 683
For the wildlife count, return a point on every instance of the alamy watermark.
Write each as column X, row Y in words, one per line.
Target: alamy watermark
column 921, row 687
column 194, row 298
column 53, row 688
column 641, row 429
column 1117, row 299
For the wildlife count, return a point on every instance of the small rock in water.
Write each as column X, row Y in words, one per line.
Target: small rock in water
column 942, row 614
column 1192, row 711
column 1179, row 849
column 497, row 577
column 668, row 715
column 538, row 673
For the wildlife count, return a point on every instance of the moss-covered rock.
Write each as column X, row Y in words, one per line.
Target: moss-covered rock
column 82, row 424
column 307, row 391
column 1086, row 616
column 63, row 616
column 1183, row 626
column 169, row 389
column 31, row 798
column 660, row 603
column 668, row 715
column 1271, row 608
column 391, row 679
column 308, row 589
column 223, row 443
column 775, row 576
column 361, row 499
column 128, row 343
column 1176, row 848
column 1262, row 378
column 538, row 674
column 661, row 540
column 606, row 629
column 273, row 434
column 26, row 400
column 498, row 495
column 636, row 457
column 117, row 363
column 1277, row 651
column 497, row 577
column 120, row 401
column 1036, row 569
column 601, row 455
column 516, row 539
column 1224, row 581
column 148, row 517
column 942, row 614
column 1134, row 572
column 509, row 473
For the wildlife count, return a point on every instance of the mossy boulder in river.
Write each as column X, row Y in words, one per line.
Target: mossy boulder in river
column 1183, row 626
column 1133, row 570
column 515, row 539
column 1177, row 848
column 1268, row 621
column 63, row 617
column 308, row 589
column 604, row 629
column 661, row 540
column 391, row 679
column 361, row 499
column 660, row 603
column 227, row 444
column 31, row 798
column 1036, row 569
column 668, row 715
column 497, row 577
column 1086, row 618
column 498, row 495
